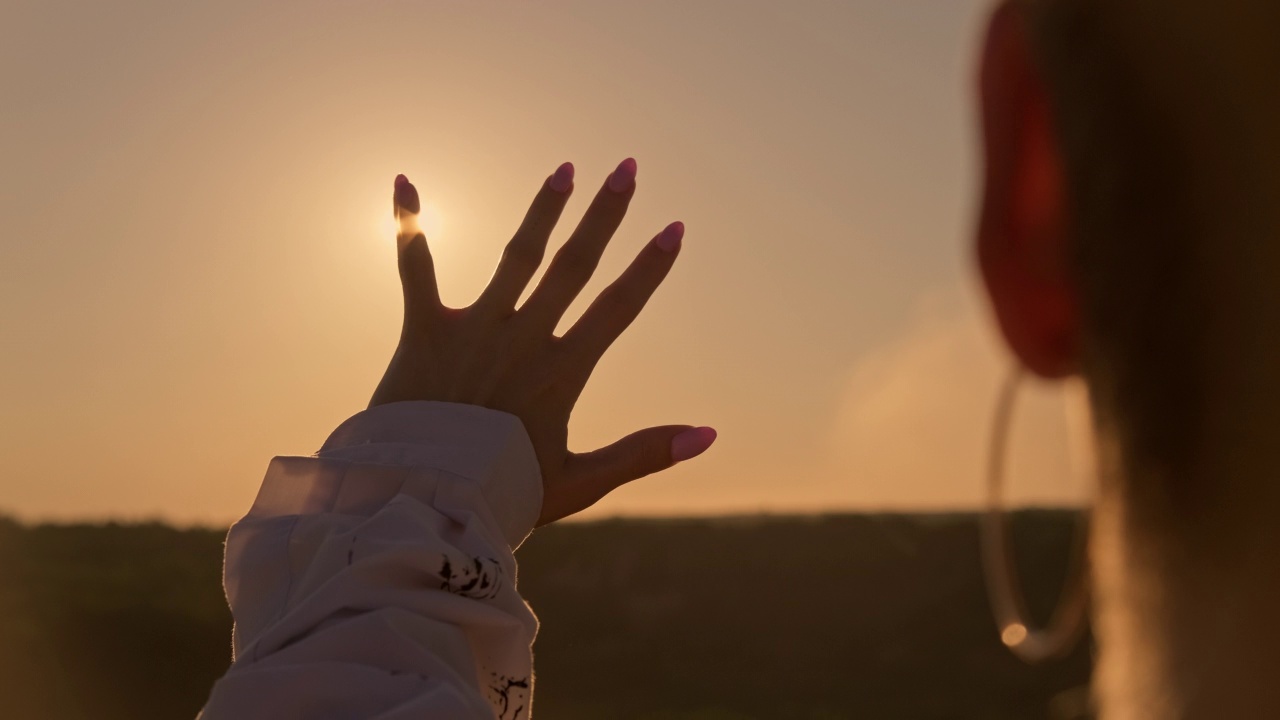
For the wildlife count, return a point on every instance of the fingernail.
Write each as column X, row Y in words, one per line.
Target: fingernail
column 562, row 180
column 624, row 177
column 406, row 195
column 669, row 239
column 691, row 443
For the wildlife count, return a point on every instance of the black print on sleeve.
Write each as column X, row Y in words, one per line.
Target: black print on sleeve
column 509, row 696
column 474, row 578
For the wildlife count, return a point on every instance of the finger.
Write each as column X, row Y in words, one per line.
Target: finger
column 417, row 269
column 590, row 476
column 524, row 252
column 405, row 197
column 577, row 260
column 620, row 303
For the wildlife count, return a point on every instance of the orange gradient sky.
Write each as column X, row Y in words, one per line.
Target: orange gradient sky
column 196, row 271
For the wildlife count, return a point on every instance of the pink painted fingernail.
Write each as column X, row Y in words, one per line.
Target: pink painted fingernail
column 669, row 239
column 406, row 195
column 562, row 180
column 624, row 177
column 691, row 443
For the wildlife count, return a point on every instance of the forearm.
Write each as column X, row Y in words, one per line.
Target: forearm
column 376, row 580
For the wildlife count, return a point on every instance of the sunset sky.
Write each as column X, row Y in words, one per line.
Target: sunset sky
column 197, row 270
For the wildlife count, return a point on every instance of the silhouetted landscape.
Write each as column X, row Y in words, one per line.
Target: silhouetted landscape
column 815, row 618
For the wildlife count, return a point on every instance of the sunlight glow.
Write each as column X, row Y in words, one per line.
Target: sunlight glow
column 429, row 222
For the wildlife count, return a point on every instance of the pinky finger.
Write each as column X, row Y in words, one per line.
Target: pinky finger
column 418, row 276
column 417, row 269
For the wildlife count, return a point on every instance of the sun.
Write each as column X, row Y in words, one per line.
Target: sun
column 429, row 222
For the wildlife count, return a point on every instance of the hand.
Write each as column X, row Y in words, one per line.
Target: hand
column 497, row 356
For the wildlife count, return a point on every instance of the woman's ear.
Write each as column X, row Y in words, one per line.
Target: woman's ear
column 1023, row 239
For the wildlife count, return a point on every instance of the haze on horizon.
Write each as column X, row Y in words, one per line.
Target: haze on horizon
column 196, row 270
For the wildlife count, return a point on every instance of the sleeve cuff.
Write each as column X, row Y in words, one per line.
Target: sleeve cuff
column 486, row 447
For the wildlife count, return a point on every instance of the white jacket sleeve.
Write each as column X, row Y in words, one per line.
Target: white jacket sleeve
column 376, row 580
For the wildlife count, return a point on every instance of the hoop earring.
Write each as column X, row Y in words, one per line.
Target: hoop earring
column 1032, row 645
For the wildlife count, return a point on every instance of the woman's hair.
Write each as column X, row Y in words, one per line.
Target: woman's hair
column 1167, row 116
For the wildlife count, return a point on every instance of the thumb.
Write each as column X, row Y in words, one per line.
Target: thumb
column 639, row 454
column 591, row 476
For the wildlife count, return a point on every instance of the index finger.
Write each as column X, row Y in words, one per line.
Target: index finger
column 619, row 305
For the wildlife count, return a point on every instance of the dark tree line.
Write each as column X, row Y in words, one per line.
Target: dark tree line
column 828, row 617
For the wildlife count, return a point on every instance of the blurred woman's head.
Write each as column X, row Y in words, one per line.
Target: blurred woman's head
column 1130, row 233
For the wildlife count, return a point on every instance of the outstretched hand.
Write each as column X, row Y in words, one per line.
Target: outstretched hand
column 498, row 356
